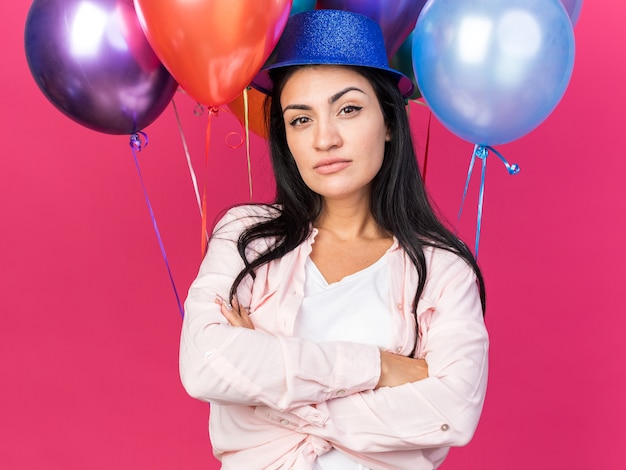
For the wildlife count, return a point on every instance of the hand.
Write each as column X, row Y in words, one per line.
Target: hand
column 399, row 370
column 235, row 313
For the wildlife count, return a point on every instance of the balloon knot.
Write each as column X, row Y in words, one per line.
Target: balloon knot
column 481, row 152
column 138, row 141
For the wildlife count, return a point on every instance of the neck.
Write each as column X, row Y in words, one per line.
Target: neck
column 349, row 220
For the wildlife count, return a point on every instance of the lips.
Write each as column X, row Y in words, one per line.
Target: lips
column 331, row 165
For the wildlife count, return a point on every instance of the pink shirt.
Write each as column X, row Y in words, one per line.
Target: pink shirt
column 278, row 401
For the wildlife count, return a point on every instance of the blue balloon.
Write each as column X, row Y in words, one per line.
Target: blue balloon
column 493, row 70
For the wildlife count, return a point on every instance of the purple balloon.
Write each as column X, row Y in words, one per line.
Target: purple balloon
column 396, row 18
column 493, row 70
column 91, row 59
column 573, row 8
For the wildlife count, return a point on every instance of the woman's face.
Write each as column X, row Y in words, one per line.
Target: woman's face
column 335, row 130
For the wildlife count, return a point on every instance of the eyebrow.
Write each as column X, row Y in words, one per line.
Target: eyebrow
column 331, row 100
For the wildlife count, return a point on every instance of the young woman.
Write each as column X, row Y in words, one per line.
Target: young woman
column 342, row 326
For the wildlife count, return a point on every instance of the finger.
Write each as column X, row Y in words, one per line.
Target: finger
column 220, row 301
column 243, row 313
column 233, row 317
column 228, row 312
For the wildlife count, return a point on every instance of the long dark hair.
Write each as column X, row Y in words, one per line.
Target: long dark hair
column 399, row 203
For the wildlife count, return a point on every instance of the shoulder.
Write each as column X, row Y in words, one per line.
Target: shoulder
column 445, row 267
column 239, row 218
column 439, row 259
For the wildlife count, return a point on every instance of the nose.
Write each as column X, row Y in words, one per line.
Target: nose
column 326, row 135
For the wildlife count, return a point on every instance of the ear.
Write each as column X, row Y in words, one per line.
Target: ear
column 388, row 136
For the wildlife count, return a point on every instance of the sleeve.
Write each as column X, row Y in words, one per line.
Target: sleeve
column 231, row 365
column 442, row 410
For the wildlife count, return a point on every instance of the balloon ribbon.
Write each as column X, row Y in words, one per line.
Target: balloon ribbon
column 136, row 145
column 192, row 173
column 482, row 152
column 204, row 239
column 427, row 147
column 247, row 126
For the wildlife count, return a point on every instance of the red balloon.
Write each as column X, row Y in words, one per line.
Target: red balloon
column 213, row 48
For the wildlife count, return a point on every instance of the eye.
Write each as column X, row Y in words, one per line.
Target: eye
column 350, row 109
column 299, row 121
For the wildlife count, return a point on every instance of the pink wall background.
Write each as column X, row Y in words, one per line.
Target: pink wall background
column 89, row 325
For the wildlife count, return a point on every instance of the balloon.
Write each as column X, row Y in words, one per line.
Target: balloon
column 396, row 18
column 298, row 6
column 573, row 8
column 403, row 62
column 213, row 48
column 91, row 59
column 256, row 114
column 492, row 71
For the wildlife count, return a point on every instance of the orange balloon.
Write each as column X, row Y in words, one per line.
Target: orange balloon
column 213, row 48
column 256, row 113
